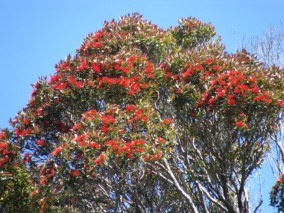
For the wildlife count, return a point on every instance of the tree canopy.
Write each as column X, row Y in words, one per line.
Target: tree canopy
column 143, row 119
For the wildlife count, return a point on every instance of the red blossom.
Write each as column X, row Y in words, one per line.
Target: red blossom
column 89, row 115
column 263, row 98
column 71, row 80
column 108, row 119
column 134, row 89
column 161, row 140
column 40, row 142
column 55, row 78
column 60, row 86
column 216, row 68
column 43, row 181
column 83, row 65
column 157, row 156
column 199, row 67
column 96, row 45
column 231, row 102
column 280, row 103
column 79, row 84
column 100, row 159
column 96, row 68
column 23, row 133
column 94, row 145
column 98, row 35
column 26, row 121
column 130, row 61
column 189, row 72
column 56, row 151
column 138, row 142
column 239, row 124
column 211, row 101
column 168, row 121
column 2, row 135
column 105, row 129
column 220, row 94
column 75, row 173
column 129, row 108
column 3, row 145
column 208, row 61
column 77, row 127
column 80, row 138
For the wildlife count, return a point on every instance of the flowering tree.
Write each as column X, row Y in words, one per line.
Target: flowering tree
column 149, row 120
column 16, row 184
column 270, row 50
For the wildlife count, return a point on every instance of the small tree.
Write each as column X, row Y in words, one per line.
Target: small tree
column 16, row 185
column 149, row 120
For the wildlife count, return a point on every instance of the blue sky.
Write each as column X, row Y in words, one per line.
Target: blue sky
column 35, row 35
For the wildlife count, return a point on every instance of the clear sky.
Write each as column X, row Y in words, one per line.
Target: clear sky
column 35, row 34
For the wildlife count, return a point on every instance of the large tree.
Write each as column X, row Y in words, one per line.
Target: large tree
column 143, row 119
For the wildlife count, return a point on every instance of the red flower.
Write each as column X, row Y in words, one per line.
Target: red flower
column 239, row 124
column 89, row 115
column 96, row 68
column 138, row 142
column 71, row 80
column 211, row 101
column 77, row 126
column 60, row 86
column 208, row 61
column 96, row 45
column 100, row 159
column 255, row 90
column 108, row 119
column 94, row 145
column 220, row 94
column 105, row 129
column 43, row 181
column 2, row 135
column 81, row 138
column 263, row 98
column 231, row 102
column 168, row 121
column 188, row 73
column 83, row 65
column 40, row 142
column 216, row 68
column 56, row 151
column 199, row 67
column 161, row 140
column 3, row 145
column 134, row 89
column 214, row 82
column 98, row 35
column 157, row 156
column 54, row 78
column 79, row 84
column 280, row 103
column 129, row 108
column 75, row 173
column 130, row 61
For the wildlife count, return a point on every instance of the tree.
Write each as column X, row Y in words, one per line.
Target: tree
column 16, row 185
column 270, row 50
column 143, row 119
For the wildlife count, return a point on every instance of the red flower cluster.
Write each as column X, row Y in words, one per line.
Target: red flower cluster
column 56, row 151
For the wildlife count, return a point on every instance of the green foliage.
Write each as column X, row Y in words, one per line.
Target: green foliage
column 277, row 194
